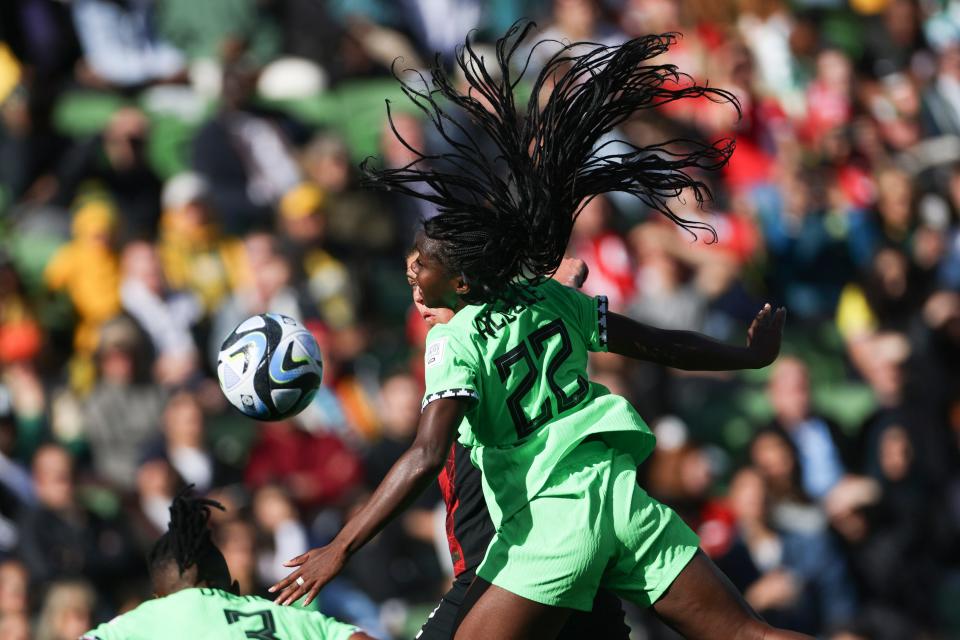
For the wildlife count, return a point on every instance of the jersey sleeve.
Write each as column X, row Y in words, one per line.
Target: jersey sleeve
column 590, row 315
column 450, row 370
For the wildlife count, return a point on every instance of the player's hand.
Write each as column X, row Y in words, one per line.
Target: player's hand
column 315, row 568
column 765, row 334
column 573, row 272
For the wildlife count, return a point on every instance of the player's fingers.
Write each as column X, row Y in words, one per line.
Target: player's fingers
column 292, row 594
column 768, row 316
column 311, row 595
column 582, row 274
column 282, row 595
column 296, row 562
column 283, row 584
column 780, row 317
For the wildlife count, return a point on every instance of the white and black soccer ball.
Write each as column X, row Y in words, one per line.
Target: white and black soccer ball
column 269, row 367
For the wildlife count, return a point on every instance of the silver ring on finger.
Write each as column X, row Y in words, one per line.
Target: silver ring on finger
column 300, row 580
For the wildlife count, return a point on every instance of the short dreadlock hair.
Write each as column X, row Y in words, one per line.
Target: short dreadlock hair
column 188, row 542
column 508, row 219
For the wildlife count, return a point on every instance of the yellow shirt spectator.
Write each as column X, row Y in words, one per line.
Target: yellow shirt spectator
column 86, row 268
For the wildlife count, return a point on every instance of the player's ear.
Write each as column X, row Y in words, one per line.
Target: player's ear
column 460, row 285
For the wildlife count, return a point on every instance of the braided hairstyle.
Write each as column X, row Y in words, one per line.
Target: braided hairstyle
column 187, row 540
column 508, row 219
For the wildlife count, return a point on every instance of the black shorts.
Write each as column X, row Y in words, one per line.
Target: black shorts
column 605, row 621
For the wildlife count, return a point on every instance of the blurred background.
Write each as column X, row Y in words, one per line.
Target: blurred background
column 169, row 167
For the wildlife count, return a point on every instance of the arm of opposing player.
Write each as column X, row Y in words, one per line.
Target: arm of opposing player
column 693, row 351
column 406, row 480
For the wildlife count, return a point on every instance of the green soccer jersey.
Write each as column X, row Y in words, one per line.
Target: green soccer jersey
column 524, row 369
column 215, row 614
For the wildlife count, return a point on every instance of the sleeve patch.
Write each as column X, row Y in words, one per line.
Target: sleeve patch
column 469, row 394
column 434, row 353
column 602, row 318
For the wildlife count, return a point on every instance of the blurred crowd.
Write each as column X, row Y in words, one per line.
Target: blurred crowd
column 170, row 167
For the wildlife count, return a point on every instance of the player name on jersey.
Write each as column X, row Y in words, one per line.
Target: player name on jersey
column 488, row 323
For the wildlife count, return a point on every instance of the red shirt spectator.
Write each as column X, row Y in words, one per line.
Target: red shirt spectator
column 317, row 469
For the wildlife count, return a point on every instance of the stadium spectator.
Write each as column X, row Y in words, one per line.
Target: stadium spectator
column 821, row 447
column 122, row 46
column 356, row 223
column 116, row 163
column 14, row 589
column 15, row 627
column 594, row 242
column 20, row 334
column 236, row 539
column 800, row 578
column 63, row 539
column 303, row 220
column 279, row 526
column 196, row 256
column 87, row 269
column 318, row 470
column 244, row 155
column 148, row 511
column 184, row 442
column 122, row 413
column 167, row 317
column 67, row 611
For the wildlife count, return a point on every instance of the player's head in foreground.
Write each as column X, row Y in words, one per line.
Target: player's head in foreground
column 185, row 556
column 572, row 273
column 431, row 315
column 507, row 219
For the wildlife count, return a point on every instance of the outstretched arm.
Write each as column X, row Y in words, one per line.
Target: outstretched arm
column 406, row 480
column 694, row 351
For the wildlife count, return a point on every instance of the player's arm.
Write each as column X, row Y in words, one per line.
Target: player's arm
column 410, row 475
column 694, row 351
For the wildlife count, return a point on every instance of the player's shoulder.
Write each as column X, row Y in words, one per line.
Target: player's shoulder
column 456, row 331
column 561, row 295
column 442, row 343
column 551, row 289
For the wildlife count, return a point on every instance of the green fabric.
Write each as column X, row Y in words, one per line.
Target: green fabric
column 355, row 109
column 85, row 113
column 168, row 148
column 214, row 614
column 590, row 526
column 199, row 29
column 526, row 373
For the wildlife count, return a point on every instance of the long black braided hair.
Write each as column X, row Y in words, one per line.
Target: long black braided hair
column 508, row 219
column 188, row 541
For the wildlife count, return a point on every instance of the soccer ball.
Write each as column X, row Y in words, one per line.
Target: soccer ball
column 269, row 367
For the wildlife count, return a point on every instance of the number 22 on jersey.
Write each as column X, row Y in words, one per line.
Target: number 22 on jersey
column 528, row 361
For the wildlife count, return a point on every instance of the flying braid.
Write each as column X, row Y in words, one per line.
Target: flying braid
column 508, row 218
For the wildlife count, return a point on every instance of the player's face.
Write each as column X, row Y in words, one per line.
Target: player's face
column 437, row 287
column 431, row 316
